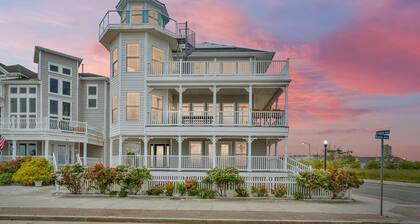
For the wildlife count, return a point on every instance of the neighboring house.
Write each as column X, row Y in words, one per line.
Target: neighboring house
column 169, row 104
column 364, row 160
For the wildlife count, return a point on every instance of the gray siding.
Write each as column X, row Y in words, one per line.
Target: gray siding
column 93, row 116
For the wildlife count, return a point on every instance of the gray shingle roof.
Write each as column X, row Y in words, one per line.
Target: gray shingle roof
column 26, row 73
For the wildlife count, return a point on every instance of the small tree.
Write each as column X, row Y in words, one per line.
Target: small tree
column 339, row 181
column 71, row 176
column 373, row 164
column 224, row 179
column 312, row 180
column 391, row 165
column 132, row 179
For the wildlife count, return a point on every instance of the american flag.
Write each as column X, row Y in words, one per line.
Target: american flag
column 2, row 143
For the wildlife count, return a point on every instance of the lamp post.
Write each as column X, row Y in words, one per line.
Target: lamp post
column 309, row 145
column 325, row 154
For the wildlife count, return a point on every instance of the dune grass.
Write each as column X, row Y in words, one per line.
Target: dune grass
column 410, row 176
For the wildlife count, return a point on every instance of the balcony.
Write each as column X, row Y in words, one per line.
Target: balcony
column 47, row 125
column 218, row 68
column 220, row 118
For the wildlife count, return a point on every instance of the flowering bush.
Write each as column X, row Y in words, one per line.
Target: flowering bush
column 71, row 176
column 279, row 191
column 132, row 179
column 169, row 189
column 12, row 166
column 312, row 180
column 224, row 179
column 260, row 190
column 191, row 186
column 339, row 181
column 35, row 169
column 102, row 177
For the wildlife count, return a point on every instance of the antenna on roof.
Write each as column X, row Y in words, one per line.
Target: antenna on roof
column 83, row 68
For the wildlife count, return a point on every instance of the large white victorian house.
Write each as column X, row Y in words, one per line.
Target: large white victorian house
column 169, row 104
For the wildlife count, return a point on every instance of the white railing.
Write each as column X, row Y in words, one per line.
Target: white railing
column 10, row 157
column 43, row 124
column 162, row 162
column 196, row 162
column 221, row 118
column 6, row 158
column 296, row 166
column 239, row 162
column 91, row 161
column 218, row 68
column 266, row 163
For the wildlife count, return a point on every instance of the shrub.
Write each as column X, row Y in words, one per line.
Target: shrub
column 180, row 187
column 279, row 191
column 169, row 189
column 155, row 190
column 373, row 164
column 298, row 196
column 35, row 169
column 339, row 181
column 406, row 165
column 224, row 179
column 312, row 180
column 355, row 165
column 241, row 192
column 5, row 178
column 391, row 165
column 417, row 165
column 206, row 194
column 12, row 166
column 260, row 191
column 101, row 177
column 132, row 179
column 71, row 176
column 122, row 193
column 191, row 187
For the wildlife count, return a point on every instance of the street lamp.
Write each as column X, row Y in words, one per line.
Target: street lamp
column 309, row 144
column 325, row 154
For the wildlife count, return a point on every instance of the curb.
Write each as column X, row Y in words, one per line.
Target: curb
column 404, row 184
column 179, row 220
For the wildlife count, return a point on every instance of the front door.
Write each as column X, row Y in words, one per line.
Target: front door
column 63, row 155
column 159, row 152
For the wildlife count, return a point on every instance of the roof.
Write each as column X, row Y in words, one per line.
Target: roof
column 214, row 46
column 38, row 49
column 157, row 3
column 26, row 73
column 91, row 75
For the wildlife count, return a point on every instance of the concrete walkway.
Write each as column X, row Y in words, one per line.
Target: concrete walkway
column 29, row 201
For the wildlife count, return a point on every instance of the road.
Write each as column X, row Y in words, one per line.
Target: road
column 401, row 194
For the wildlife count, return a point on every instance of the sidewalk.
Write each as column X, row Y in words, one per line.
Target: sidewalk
column 40, row 203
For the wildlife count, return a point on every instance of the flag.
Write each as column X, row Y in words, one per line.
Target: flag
column 2, row 143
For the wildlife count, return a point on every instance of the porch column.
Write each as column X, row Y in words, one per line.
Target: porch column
column 180, row 91
column 214, row 104
column 250, row 106
column 14, row 150
column 286, row 144
column 180, row 140
column 47, row 148
column 120, row 139
column 145, row 149
column 214, row 142
column 286, row 106
column 72, row 153
column 110, row 152
column 85, row 153
column 249, row 141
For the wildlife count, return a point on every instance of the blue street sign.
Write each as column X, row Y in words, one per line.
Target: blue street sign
column 382, row 136
column 383, row 132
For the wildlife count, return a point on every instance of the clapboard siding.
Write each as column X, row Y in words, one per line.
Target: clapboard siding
column 93, row 116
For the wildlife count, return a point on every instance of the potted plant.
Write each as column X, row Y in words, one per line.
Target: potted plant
column 38, row 183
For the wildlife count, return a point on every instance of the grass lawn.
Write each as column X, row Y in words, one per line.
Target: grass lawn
column 411, row 176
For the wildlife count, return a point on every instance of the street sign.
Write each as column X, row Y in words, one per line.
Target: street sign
column 382, row 136
column 383, row 132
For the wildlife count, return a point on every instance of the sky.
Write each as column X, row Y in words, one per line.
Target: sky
column 355, row 65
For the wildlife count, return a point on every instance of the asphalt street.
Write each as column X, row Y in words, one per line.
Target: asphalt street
column 401, row 194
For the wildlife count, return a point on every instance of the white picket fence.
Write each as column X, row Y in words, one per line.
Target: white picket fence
column 249, row 181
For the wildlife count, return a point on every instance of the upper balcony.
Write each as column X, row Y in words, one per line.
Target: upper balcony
column 134, row 20
column 278, row 69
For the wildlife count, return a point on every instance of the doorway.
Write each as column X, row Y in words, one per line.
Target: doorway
column 160, row 155
column 63, row 155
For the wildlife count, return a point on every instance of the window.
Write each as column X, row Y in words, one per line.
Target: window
column 153, row 17
column 136, row 13
column 224, row 149
column 66, row 88
column 53, row 85
column 13, row 105
column 133, row 106
column 66, row 109
column 114, row 60
column 92, row 96
column 114, row 109
column 157, row 107
column 133, row 57
column 53, row 107
column 214, row 67
column 32, row 105
column 199, row 68
column 195, row 148
column 229, row 68
column 244, row 67
column 22, row 102
column 32, row 90
column 66, row 71
column 53, row 68
column 157, row 60
column 22, row 90
column 240, row 148
column 13, row 90
column 228, row 113
column 243, row 113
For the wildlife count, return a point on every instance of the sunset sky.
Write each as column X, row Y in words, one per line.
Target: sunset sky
column 355, row 65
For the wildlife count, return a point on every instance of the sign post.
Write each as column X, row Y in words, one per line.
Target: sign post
column 384, row 134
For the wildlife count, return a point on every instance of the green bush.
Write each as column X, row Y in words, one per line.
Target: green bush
column 191, row 187
column 312, row 180
column 206, row 194
column 340, row 180
column 169, row 189
column 181, row 188
column 35, row 169
column 373, row 164
column 71, row 176
column 417, row 165
column 155, row 190
column 260, row 190
column 122, row 193
column 298, row 196
column 132, row 179
column 6, row 178
column 355, row 165
column 241, row 192
column 279, row 191
column 407, row 165
column 223, row 179
column 391, row 165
